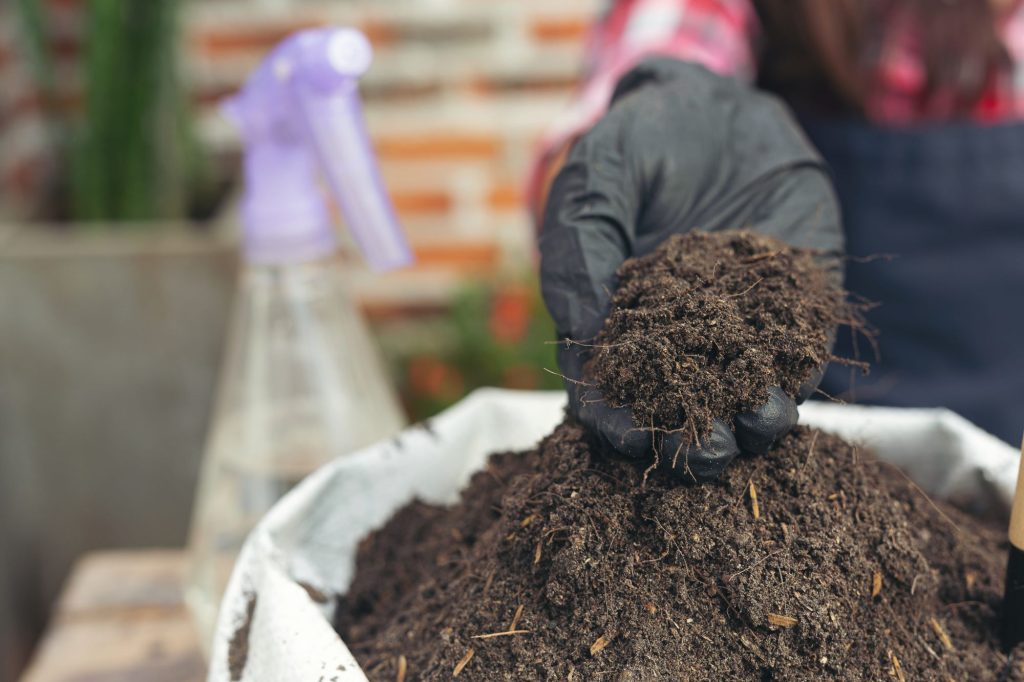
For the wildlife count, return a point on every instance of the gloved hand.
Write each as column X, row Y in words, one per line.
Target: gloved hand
column 679, row 149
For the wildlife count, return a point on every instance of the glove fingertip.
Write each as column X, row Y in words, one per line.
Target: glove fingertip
column 614, row 426
column 808, row 388
column 702, row 462
column 757, row 430
column 635, row 445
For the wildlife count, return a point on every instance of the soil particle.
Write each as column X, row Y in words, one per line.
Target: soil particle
column 846, row 569
column 238, row 647
column 315, row 594
column 702, row 327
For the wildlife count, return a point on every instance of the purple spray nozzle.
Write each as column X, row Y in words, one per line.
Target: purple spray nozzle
column 301, row 118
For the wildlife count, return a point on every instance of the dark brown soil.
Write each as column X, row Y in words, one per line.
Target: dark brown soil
column 845, row 571
column 238, row 647
column 702, row 327
column 315, row 594
column 813, row 562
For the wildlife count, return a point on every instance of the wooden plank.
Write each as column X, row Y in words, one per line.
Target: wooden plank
column 120, row 648
column 105, row 581
column 121, row 618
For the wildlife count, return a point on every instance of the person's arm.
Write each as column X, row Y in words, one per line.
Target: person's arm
column 680, row 148
column 716, row 34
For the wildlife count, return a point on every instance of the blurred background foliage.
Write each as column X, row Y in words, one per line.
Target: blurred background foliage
column 495, row 334
column 129, row 153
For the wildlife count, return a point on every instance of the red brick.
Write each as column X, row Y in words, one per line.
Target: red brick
column 437, row 146
column 505, row 197
column 70, row 102
column 31, row 102
column 456, row 257
column 381, row 311
column 212, row 95
column 23, row 105
column 395, row 93
column 379, row 33
column 413, row 202
column 225, row 40
column 523, row 85
column 66, row 47
column 560, row 29
column 216, row 41
column 61, row 47
column 444, row 33
column 23, row 176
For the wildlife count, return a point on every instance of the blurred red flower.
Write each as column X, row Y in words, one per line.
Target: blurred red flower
column 429, row 376
column 521, row 376
column 510, row 314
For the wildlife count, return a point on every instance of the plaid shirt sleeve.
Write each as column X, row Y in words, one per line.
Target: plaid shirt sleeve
column 721, row 34
column 716, row 33
column 900, row 77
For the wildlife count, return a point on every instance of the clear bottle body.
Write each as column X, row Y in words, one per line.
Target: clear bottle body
column 301, row 384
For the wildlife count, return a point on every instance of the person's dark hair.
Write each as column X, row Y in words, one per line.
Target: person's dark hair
column 821, row 54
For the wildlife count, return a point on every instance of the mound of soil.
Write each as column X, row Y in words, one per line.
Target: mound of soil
column 702, row 327
column 559, row 564
column 813, row 562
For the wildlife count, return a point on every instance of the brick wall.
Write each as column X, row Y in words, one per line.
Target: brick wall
column 458, row 94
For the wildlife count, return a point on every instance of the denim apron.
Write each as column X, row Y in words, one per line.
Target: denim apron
column 938, row 211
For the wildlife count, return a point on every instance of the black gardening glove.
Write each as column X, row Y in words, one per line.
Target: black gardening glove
column 679, row 149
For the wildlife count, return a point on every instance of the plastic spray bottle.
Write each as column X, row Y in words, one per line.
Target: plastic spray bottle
column 301, row 382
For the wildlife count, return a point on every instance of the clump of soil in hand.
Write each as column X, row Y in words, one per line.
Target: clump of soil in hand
column 702, row 327
column 559, row 564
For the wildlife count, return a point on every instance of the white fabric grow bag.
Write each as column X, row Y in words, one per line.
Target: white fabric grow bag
column 311, row 535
